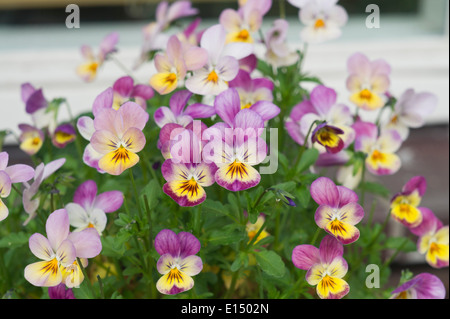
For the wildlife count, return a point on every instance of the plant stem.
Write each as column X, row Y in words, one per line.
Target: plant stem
column 86, row 277
column 316, row 234
column 282, row 7
column 232, row 284
column 100, row 284
column 250, row 244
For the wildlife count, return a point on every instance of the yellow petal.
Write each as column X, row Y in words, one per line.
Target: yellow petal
column 117, row 161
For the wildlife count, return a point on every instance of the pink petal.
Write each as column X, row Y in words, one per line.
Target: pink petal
column 85, row 194
column 124, row 86
column 227, row 104
column 109, row 201
column 57, row 227
column 40, row 246
column 167, row 242
column 305, row 256
column 103, row 101
column 20, row 173
column 329, row 249
column 86, row 242
column 325, row 192
column 189, row 244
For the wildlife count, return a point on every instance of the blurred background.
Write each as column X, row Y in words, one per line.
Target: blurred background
column 37, row 47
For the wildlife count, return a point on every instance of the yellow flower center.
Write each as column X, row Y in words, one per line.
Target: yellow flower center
column 365, row 95
column 171, row 78
column 213, row 77
column 36, row 141
column 377, row 156
column 175, row 274
column 246, row 106
column 243, row 35
column 237, row 168
column 319, row 24
column 51, row 266
column 93, row 67
column 190, row 186
column 121, row 154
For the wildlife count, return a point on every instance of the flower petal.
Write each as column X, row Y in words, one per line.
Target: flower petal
column 40, row 247
column 191, row 265
column 109, row 201
column 43, row 273
column 189, row 245
column 329, row 249
column 237, row 176
column 167, row 242
column 305, row 256
column 86, row 242
column 185, row 192
column 118, row 161
column 85, row 194
column 57, row 227
column 325, row 192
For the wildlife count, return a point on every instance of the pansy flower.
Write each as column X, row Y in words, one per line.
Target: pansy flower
column 185, row 171
column 380, row 149
column 410, row 111
column 422, row 286
column 322, row 107
column 368, row 81
column 59, row 249
column 433, row 239
column 125, row 90
column 118, row 137
column 325, row 267
column 18, row 173
column 235, row 145
column 329, row 137
column 60, row 292
column 252, row 229
column 172, row 66
column 63, row 135
column 338, row 210
column 251, row 90
column 222, row 65
column 178, row 261
column 42, row 172
column 323, row 20
column 31, row 139
column 89, row 209
column 404, row 205
column 241, row 24
column 178, row 113
column 88, row 70
column 278, row 53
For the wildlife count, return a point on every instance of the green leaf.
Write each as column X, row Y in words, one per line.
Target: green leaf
column 303, row 196
column 152, row 191
column 112, row 247
column 400, row 243
column 270, row 263
column 309, row 157
column 14, row 240
column 227, row 236
column 376, row 188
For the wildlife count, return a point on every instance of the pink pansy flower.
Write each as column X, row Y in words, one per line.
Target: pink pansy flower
column 338, row 210
column 41, row 173
column 174, row 63
column 235, row 145
column 251, row 90
column 59, row 250
column 89, row 210
column 422, row 286
column 185, row 171
column 178, row 261
column 323, row 20
column 125, row 90
column 380, row 149
column 404, row 205
column 31, row 139
column 329, row 137
column 321, row 106
column 154, row 37
column 249, row 63
column 63, row 135
column 18, row 173
column 278, row 53
column 169, row 134
column 178, row 113
column 326, row 267
column 222, row 65
column 189, row 36
column 368, row 81
column 85, row 126
column 433, row 239
column 410, row 111
column 241, row 24
column 118, row 137
column 88, row 70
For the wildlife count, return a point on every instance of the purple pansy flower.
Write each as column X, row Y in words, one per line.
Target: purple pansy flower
column 178, row 113
column 88, row 209
column 63, row 135
column 235, row 145
column 326, row 267
column 60, row 292
column 178, row 261
column 422, row 286
column 339, row 210
column 125, row 90
column 18, row 173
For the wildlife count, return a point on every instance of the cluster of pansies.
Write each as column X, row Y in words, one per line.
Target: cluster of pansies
column 196, row 199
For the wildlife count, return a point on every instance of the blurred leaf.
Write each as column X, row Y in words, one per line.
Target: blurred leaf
column 400, row 243
column 270, row 263
column 226, row 236
column 112, row 247
column 14, row 240
column 375, row 188
column 309, row 157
